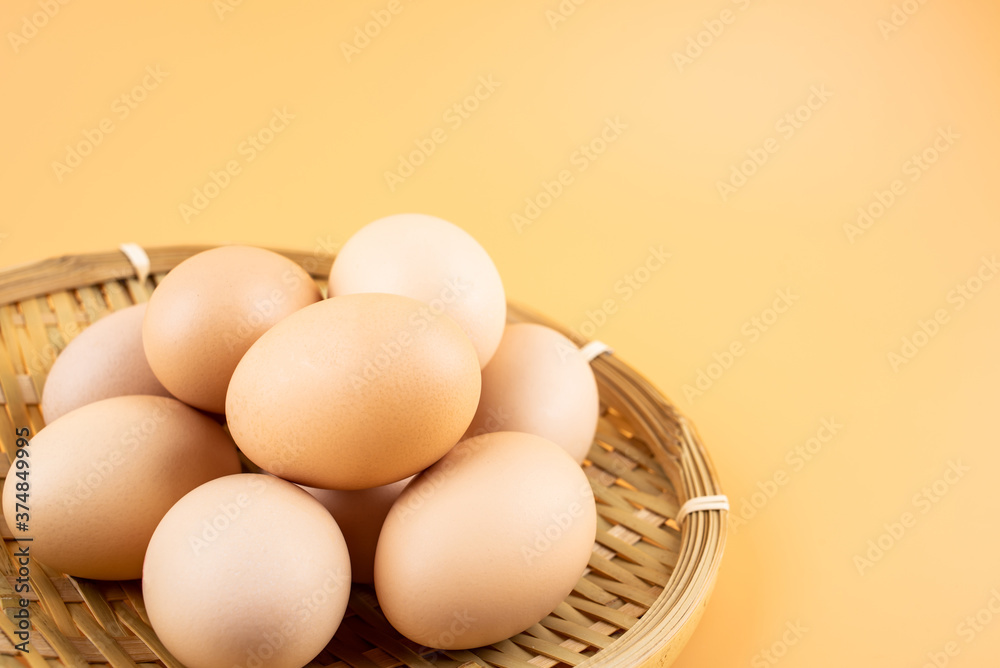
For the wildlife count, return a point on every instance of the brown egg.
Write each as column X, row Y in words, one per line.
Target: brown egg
column 539, row 382
column 210, row 309
column 101, row 477
column 104, row 360
column 354, row 392
column 359, row 514
column 486, row 542
column 246, row 570
column 432, row 261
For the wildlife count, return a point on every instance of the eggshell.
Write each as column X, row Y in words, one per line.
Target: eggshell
column 209, row 310
column 486, row 542
column 105, row 360
column 354, row 392
column 539, row 382
column 102, row 476
column 359, row 514
column 433, row 261
column 246, row 570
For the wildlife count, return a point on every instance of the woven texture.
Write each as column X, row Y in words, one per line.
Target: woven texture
column 644, row 591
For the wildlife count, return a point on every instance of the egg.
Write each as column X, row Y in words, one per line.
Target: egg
column 359, row 514
column 539, row 382
column 206, row 313
column 105, row 360
column 354, row 392
column 432, row 261
column 101, row 477
column 486, row 542
column 246, row 570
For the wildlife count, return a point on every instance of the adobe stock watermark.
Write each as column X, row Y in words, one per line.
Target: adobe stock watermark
column 393, row 349
column 90, row 479
column 967, row 631
column 956, row 299
column 751, row 331
column 259, row 655
column 247, row 151
column 364, row 34
column 432, row 478
column 42, row 359
column 563, row 11
column 453, row 117
column 786, row 127
column 776, row 651
column 325, row 249
column 796, row 459
column 581, row 159
column 121, row 108
column 461, row 622
column 225, row 516
column 34, row 22
column 223, row 7
column 914, row 169
column 713, row 29
column 262, row 312
column 624, row 289
column 921, row 503
column 495, row 420
column 899, row 16
column 557, row 526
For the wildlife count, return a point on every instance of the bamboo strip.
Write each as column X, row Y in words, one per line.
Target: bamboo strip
column 647, row 583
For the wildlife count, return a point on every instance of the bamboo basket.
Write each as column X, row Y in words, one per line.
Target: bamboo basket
column 644, row 592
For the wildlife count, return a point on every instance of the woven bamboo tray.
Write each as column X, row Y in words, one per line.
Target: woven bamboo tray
column 646, row 587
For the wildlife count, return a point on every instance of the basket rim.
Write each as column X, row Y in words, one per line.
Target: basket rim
column 662, row 631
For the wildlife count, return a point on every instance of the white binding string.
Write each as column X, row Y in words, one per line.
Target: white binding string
column 698, row 503
column 595, row 349
column 137, row 258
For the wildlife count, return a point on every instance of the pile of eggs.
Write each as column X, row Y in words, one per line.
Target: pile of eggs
column 405, row 437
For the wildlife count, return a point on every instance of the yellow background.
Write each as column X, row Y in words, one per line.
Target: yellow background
column 826, row 357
